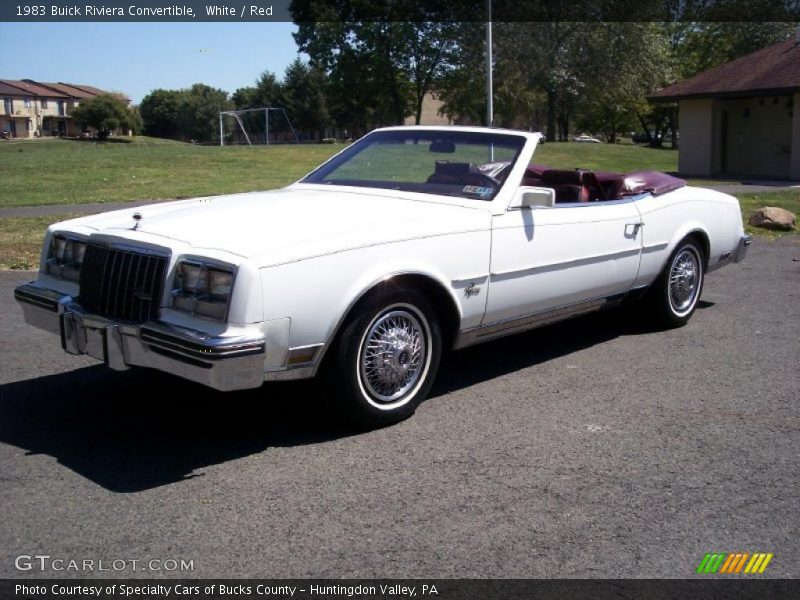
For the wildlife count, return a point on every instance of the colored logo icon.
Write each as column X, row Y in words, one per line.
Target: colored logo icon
column 735, row 562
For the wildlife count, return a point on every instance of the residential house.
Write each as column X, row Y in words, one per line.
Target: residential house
column 33, row 108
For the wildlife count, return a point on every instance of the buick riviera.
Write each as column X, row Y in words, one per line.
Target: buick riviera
column 408, row 243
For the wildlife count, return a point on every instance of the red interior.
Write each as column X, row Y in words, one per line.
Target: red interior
column 589, row 186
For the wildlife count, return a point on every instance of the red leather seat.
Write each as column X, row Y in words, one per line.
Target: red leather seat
column 567, row 185
column 589, row 186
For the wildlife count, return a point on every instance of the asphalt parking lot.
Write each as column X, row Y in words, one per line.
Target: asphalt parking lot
column 594, row 448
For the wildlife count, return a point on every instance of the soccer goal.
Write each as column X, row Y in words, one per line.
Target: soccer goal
column 252, row 126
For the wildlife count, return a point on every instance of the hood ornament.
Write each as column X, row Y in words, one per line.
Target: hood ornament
column 137, row 216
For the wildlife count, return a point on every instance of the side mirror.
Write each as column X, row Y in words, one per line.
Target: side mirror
column 530, row 197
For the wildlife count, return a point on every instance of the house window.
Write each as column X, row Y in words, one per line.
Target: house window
column 8, row 104
column 61, row 110
column 44, row 103
column 29, row 125
column 27, row 101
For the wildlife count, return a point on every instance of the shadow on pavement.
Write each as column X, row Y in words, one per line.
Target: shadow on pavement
column 141, row 429
column 506, row 355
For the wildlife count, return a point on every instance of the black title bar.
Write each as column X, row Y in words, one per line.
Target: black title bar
column 740, row 588
column 399, row 10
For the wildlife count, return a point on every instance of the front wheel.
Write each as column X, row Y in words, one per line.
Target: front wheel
column 387, row 357
column 673, row 297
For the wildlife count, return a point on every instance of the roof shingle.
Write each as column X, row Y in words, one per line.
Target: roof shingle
column 68, row 90
column 12, row 86
column 773, row 69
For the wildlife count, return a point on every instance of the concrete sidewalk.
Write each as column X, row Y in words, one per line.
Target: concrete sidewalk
column 73, row 209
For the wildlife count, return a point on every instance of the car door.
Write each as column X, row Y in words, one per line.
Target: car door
column 547, row 258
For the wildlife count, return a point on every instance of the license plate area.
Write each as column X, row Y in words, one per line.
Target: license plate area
column 103, row 342
column 96, row 343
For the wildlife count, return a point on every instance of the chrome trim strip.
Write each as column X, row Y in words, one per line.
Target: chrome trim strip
column 467, row 280
column 198, row 346
column 654, row 247
column 575, row 262
column 514, row 325
column 127, row 247
column 623, row 200
column 38, row 300
column 300, row 351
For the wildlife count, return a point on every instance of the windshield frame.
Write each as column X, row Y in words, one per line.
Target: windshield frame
column 508, row 138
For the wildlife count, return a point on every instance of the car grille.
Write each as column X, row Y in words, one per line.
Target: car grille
column 121, row 284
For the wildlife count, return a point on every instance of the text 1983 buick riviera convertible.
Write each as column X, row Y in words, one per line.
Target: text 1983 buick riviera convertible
column 409, row 242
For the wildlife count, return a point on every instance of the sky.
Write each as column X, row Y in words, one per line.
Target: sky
column 136, row 58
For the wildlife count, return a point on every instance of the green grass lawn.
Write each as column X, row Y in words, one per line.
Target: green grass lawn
column 55, row 171
column 77, row 172
column 607, row 157
column 750, row 202
column 21, row 240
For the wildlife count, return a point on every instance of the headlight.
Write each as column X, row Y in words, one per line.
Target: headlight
column 202, row 289
column 65, row 257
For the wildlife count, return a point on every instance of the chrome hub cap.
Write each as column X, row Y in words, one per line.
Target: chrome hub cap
column 393, row 355
column 684, row 280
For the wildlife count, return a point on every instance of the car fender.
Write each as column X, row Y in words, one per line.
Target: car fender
column 328, row 287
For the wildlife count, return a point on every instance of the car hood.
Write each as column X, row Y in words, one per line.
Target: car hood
column 291, row 224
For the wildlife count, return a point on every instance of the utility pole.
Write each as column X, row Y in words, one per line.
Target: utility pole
column 489, row 94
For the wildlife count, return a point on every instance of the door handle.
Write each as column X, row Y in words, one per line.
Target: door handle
column 632, row 229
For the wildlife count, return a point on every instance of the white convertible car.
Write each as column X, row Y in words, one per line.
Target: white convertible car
column 408, row 243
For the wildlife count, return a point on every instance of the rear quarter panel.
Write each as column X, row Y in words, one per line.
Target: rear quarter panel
column 671, row 217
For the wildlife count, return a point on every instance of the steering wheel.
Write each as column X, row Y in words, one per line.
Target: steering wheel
column 484, row 179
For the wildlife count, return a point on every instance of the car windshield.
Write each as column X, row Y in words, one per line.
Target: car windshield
column 451, row 163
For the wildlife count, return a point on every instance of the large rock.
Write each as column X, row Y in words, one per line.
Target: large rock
column 772, row 217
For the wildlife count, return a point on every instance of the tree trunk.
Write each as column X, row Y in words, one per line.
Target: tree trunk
column 551, row 115
column 673, row 128
column 646, row 128
column 563, row 127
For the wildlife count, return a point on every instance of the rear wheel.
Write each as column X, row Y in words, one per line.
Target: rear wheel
column 386, row 357
column 673, row 298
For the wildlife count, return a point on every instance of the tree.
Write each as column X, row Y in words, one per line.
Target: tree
column 623, row 63
column 430, row 53
column 135, row 124
column 390, row 64
column 461, row 89
column 159, row 110
column 198, row 112
column 105, row 113
column 702, row 46
column 304, row 93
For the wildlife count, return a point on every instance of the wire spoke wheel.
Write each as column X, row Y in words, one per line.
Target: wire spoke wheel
column 394, row 355
column 684, row 280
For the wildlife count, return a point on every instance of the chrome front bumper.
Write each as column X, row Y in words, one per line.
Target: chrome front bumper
column 223, row 363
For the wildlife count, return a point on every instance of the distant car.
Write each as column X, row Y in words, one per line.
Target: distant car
column 586, row 139
column 408, row 243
